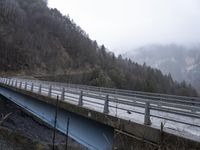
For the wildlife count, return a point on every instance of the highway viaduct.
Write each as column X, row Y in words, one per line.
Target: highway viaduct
column 103, row 118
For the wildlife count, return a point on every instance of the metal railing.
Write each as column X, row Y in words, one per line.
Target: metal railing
column 112, row 101
column 140, row 94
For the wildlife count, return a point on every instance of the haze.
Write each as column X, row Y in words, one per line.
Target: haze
column 122, row 25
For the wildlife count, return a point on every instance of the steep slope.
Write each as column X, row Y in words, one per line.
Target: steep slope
column 36, row 40
column 181, row 63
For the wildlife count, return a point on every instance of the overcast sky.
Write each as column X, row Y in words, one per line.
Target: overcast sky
column 122, row 25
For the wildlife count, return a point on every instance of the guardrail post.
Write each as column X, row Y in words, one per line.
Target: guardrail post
column 50, row 89
column 147, row 120
column 20, row 85
column 15, row 83
column 32, row 85
column 25, row 86
column 40, row 89
column 106, row 105
column 80, row 102
column 63, row 94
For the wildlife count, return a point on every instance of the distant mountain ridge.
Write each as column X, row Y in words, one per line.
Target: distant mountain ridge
column 182, row 63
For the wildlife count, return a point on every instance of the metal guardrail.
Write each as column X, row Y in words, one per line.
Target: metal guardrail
column 146, row 95
column 107, row 99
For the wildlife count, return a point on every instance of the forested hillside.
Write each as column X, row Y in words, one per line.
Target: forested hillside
column 183, row 63
column 36, row 40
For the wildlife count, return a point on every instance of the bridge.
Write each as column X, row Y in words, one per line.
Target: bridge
column 98, row 114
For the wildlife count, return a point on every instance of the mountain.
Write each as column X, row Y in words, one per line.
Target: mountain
column 182, row 63
column 38, row 41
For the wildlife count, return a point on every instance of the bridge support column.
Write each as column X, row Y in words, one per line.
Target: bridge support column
column 106, row 105
column 80, row 102
column 147, row 120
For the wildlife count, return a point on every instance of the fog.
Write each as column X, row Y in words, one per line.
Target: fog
column 122, row 25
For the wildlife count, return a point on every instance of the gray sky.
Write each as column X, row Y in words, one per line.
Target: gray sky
column 122, row 25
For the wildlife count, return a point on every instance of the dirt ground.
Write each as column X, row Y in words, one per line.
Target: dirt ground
column 26, row 126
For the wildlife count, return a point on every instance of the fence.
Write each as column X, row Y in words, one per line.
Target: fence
column 112, row 101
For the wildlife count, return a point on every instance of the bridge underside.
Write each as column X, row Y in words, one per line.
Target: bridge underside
column 89, row 133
